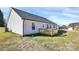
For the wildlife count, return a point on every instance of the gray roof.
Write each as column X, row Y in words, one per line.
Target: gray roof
column 25, row 15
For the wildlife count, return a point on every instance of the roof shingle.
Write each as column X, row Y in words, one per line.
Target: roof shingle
column 29, row 16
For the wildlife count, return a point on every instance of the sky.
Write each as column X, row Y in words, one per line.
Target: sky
column 59, row 15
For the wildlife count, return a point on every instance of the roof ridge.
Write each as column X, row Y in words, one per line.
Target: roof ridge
column 32, row 15
column 28, row 12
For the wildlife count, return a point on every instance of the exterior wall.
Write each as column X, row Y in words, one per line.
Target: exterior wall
column 15, row 23
column 55, row 26
column 38, row 25
column 70, row 29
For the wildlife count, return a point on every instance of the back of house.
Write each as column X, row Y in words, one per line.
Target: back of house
column 25, row 23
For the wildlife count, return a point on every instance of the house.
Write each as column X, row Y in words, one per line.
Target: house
column 25, row 23
column 73, row 26
column 70, row 28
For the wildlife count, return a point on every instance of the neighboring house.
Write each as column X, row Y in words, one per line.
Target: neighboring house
column 77, row 28
column 70, row 28
column 73, row 26
column 25, row 23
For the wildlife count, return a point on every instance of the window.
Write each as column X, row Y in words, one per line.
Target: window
column 50, row 26
column 47, row 26
column 33, row 26
column 54, row 25
column 43, row 25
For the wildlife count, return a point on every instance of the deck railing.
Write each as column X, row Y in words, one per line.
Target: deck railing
column 48, row 31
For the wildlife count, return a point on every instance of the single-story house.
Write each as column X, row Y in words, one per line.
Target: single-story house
column 70, row 28
column 73, row 28
column 25, row 23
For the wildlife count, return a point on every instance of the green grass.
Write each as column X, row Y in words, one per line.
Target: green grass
column 68, row 41
column 5, row 35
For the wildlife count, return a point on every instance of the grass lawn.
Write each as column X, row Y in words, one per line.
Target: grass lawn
column 68, row 41
column 5, row 35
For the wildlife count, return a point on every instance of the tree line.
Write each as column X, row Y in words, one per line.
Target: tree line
column 1, row 19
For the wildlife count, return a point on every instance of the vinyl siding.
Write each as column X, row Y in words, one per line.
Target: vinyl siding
column 15, row 23
column 28, row 26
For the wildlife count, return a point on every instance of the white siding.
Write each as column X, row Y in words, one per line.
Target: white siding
column 15, row 23
column 70, row 29
column 54, row 26
column 28, row 26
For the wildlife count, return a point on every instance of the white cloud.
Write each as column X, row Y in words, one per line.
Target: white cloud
column 71, row 15
column 66, row 12
column 70, row 12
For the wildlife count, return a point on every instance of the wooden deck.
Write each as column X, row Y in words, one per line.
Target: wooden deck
column 48, row 31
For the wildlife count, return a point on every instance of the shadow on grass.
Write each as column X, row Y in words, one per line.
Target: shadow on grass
column 37, row 34
column 61, row 33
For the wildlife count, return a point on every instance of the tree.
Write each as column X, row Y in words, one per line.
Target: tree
column 63, row 27
column 1, row 19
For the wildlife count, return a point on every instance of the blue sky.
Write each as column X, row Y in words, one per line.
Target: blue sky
column 59, row 15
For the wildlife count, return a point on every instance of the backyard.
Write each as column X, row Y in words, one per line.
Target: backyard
column 68, row 41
